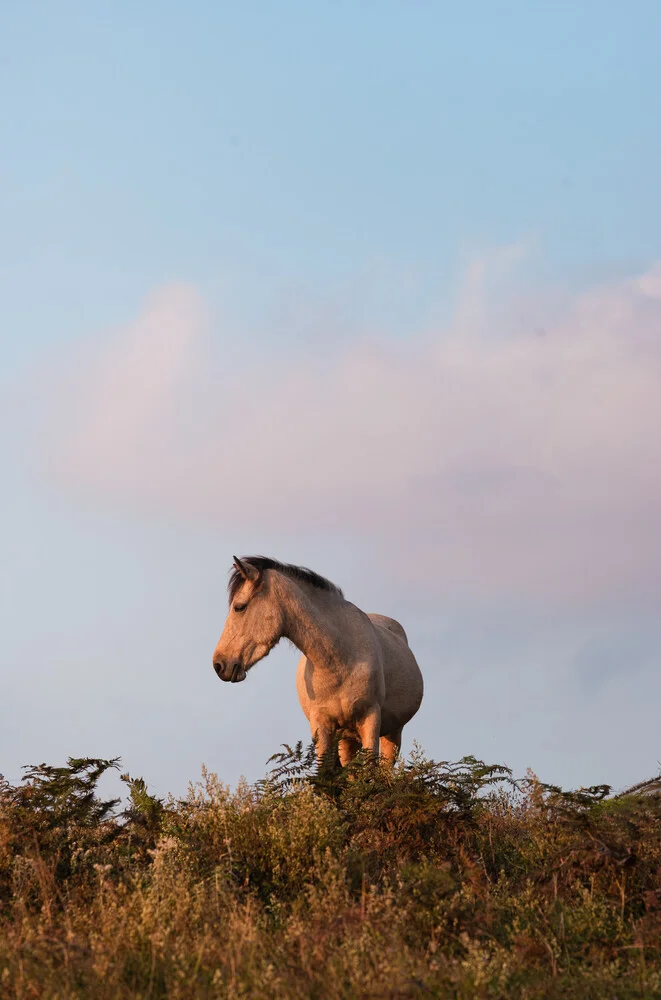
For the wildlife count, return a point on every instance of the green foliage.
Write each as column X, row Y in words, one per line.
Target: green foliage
column 455, row 785
column 144, row 809
column 66, row 795
column 420, row 879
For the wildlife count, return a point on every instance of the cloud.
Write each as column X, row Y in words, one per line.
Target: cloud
column 111, row 402
column 500, row 460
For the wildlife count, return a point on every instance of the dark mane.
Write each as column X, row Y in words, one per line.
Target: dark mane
column 295, row 572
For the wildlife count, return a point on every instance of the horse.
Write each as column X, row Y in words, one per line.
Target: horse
column 357, row 678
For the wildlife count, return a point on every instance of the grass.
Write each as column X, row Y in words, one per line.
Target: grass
column 425, row 880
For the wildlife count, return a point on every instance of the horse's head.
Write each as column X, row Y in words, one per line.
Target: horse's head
column 253, row 625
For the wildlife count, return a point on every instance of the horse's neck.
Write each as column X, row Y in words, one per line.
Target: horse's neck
column 313, row 622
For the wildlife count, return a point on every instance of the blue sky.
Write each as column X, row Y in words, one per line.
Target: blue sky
column 367, row 217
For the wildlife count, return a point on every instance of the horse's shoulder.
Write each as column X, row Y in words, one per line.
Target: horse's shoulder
column 390, row 625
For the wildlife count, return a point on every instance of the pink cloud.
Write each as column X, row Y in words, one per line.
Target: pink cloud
column 508, row 462
column 112, row 401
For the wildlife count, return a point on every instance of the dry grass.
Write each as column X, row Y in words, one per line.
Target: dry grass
column 429, row 880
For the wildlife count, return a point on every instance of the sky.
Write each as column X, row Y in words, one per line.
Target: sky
column 373, row 288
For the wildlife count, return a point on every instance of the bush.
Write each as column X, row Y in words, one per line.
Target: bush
column 422, row 879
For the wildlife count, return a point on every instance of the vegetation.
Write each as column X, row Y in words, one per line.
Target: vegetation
column 424, row 880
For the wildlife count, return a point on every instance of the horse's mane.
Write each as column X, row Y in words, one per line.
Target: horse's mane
column 295, row 572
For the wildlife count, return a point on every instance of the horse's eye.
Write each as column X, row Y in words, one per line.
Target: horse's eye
column 240, row 607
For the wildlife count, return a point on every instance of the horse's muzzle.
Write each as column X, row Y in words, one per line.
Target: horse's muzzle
column 232, row 672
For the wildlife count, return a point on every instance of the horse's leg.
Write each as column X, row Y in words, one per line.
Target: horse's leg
column 390, row 746
column 348, row 749
column 369, row 730
column 323, row 737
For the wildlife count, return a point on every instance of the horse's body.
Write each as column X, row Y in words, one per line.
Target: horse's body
column 357, row 675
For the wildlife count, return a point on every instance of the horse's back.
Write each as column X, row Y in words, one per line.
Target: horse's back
column 382, row 621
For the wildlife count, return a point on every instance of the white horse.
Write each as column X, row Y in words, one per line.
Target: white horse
column 357, row 675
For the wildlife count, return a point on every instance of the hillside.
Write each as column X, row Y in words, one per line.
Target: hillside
column 429, row 880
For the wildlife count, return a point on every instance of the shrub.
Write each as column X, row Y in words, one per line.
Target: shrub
column 422, row 879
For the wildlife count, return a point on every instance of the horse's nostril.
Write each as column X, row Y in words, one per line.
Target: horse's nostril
column 218, row 667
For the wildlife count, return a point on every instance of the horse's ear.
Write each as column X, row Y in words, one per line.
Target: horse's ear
column 247, row 571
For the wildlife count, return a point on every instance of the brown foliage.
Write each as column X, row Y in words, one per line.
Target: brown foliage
column 422, row 880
